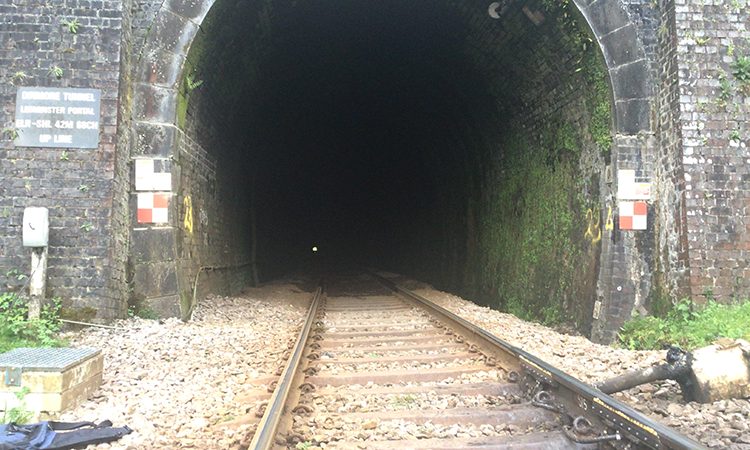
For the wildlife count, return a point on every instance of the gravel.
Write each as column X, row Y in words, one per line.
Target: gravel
column 196, row 384
column 724, row 424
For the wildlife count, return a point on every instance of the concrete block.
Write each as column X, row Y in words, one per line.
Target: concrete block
column 154, row 103
column 56, row 378
column 633, row 116
column 620, row 47
column 172, row 32
column 194, row 10
column 155, row 279
column 631, row 81
column 150, row 245
column 166, row 306
column 720, row 371
column 161, row 67
column 606, row 16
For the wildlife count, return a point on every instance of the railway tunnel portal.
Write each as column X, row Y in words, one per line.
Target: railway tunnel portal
column 470, row 145
column 574, row 160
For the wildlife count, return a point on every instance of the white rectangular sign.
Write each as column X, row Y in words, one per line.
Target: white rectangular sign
column 57, row 117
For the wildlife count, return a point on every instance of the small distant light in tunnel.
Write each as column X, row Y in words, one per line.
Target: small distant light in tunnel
column 314, row 249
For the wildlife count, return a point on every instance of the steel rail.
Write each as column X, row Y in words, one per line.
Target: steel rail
column 269, row 423
column 626, row 420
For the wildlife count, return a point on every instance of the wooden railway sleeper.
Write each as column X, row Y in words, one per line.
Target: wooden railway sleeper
column 622, row 428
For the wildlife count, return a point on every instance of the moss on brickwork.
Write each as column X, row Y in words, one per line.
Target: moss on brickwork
column 85, row 314
column 534, row 239
column 598, row 102
column 537, row 234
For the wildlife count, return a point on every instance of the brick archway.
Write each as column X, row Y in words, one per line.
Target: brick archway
column 159, row 74
column 176, row 24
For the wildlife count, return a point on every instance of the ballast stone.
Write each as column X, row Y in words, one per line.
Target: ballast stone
column 56, row 378
column 721, row 371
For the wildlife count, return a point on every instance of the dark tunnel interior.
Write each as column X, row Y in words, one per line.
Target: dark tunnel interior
column 420, row 137
column 360, row 102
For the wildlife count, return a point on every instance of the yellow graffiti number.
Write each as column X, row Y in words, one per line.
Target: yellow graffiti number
column 609, row 225
column 187, row 203
column 593, row 226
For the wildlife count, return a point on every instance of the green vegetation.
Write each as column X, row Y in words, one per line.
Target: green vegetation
column 19, row 77
column 10, row 133
column 741, row 72
column 725, row 89
column 71, row 25
column 735, row 135
column 191, row 83
column 142, row 310
column 600, row 125
column 183, row 100
column 538, row 233
column 688, row 326
column 17, row 330
column 535, row 225
column 56, row 71
column 18, row 414
column 403, row 400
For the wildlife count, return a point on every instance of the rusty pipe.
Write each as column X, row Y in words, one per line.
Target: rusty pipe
column 676, row 368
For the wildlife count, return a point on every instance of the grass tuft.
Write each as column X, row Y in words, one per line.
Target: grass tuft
column 17, row 330
column 688, row 326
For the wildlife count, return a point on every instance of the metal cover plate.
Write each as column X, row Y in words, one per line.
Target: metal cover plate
column 45, row 359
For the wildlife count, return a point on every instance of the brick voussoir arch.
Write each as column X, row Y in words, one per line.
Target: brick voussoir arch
column 625, row 60
column 161, row 61
column 159, row 73
column 178, row 21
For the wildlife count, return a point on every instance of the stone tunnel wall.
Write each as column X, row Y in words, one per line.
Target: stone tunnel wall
column 712, row 42
column 524, row 227
column 203, row 244
column 84, row 189
column 685, row 134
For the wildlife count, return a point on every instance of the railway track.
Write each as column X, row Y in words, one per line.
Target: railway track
column 377, row 367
